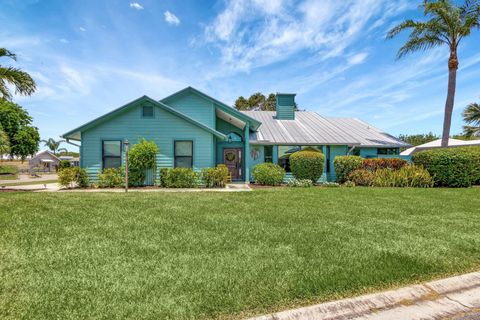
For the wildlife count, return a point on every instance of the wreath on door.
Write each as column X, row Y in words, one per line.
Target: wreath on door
column 230, row 156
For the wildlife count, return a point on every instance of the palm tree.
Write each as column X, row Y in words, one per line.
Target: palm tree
column 448, row 24
column 54, row 145
column 23, row 83
column 471, row 115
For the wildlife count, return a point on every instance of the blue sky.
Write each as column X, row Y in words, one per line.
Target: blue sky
column 89, row 57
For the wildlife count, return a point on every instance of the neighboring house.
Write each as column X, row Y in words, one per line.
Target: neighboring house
column 45, row 161
column 197, row 131
column 452, row 143
column 74, row 161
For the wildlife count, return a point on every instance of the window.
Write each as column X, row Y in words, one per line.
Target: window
column 268, row 151
column 284, row 153
column 147, row 111
column 112, row 154
column 387, row 151
column 183, row 154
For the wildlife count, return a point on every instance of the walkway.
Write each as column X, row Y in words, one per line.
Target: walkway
column 455, row 298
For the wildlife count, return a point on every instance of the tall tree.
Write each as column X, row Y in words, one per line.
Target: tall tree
column 270, row 103
column 4, row 143
column 447, row 24
column 54, row 145
column 241, row 104
column 22, row 81
column 418, row 139
column 17, row 124
column 471, row 115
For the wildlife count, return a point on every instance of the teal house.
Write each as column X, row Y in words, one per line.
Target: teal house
column 194, row 130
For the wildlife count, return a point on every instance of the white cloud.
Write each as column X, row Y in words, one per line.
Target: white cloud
column 63, row 40
column 255, row 33
column 136, row 6
column 357, row 58
column 170, row 18
column 82, row 29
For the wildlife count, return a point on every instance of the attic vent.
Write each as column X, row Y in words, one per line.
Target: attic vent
column 147, row 112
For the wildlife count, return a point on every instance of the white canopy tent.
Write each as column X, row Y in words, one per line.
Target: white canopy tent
column 452, row 143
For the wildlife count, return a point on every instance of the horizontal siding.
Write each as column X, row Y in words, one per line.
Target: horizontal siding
column 164, row 128
column 194, row 106
column 285, row 113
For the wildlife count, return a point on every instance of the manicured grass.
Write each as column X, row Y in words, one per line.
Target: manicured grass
column 30, row 182
column 224, row 255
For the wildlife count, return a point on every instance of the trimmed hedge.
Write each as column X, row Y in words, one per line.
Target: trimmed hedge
column 307, row 164
column 111, row 178
column 346, row 164
column 68, row 176
column 451, row 167
column 215, row 177
column 268, row 174
column 383, row 163
column 178, row 178
column 8, row 170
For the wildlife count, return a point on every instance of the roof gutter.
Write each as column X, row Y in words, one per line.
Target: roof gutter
column 73, row 144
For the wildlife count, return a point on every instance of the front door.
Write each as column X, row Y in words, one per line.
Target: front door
column 232, row 158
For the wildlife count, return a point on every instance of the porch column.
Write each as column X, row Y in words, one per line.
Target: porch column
column 275, row 154
column 246, row 155
column 325, row 176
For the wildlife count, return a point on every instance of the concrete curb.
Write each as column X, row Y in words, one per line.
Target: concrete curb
column 432, row 300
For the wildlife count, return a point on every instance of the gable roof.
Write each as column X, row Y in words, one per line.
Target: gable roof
column 310, row 128
column 38, row 154
column 254, row 123
column 73, row 134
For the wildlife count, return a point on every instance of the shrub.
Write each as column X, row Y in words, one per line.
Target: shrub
column 215, row 177
column 300, row 183
column 111, row 178
column 349, row 184
column 8, row 170
column 178, row 178
column 361, row 177
column 307, row 164
column 68, row 176
column 409, row 176
column 346, row 164
column 330, row 184
column 451, row 167
column 143, row 155
column 383, row 163
column 136, row 177
column 64, row 164
column 268, row 174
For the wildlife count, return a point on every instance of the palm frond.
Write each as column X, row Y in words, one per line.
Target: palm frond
column 471, row 131
column 471, row 114
column 6, row 53
column 419, row 44
column 23, row 83
column 407, row 24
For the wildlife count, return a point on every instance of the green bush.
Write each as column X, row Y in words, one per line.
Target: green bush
column 143, row 155
column 383, row 163
column 64, row 164
column 451, row 167
column 8, row 170
column 409, row 176
column 300, row 183
column 136, row 177
column 215, row 177
column 178, row 178
column 361, row 177
column 349, row 184
column 68, row 176
column 307, row 164
column 111, row 178
column 346, row 164
column 268, row 174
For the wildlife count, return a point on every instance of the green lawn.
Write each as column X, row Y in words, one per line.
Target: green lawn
column 224, row 255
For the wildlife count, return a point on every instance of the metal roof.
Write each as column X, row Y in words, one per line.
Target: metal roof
column 310, row 128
